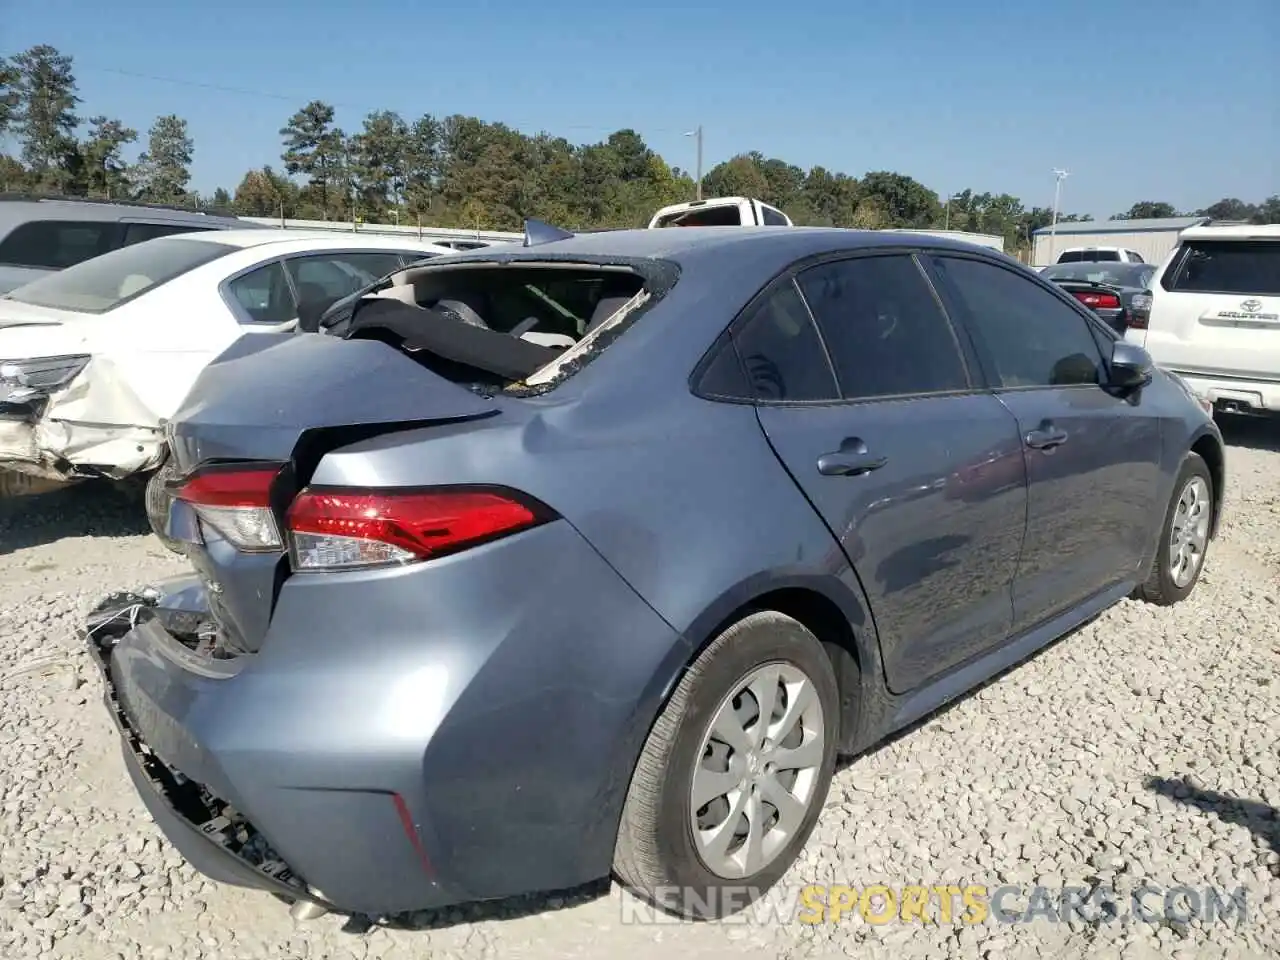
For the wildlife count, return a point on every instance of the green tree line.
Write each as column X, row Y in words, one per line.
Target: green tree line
column 461, row 171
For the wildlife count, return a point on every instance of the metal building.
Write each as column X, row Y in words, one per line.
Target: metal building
column 1150, row 239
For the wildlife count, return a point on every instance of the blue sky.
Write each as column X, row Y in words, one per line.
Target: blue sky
column 1172, row 100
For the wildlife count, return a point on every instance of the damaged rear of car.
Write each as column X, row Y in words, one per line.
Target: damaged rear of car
column 76, row 403
column 295, row 687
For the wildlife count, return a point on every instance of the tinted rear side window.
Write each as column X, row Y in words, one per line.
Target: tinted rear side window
column 883, row 327
column 141, row 232
column 781, row 353
column 1229, row 266
column 57, row 244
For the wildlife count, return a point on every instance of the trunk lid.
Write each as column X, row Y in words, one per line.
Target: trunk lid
column 287, row 399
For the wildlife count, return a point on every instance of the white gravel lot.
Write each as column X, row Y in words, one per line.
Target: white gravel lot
column 1144, row 748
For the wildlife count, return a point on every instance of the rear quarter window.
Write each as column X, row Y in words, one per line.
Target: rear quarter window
column 1234, row 267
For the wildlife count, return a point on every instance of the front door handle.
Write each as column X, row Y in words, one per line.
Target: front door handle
column 1046, row 437
column 851, row 460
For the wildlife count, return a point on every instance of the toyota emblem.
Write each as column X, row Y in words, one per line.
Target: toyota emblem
column 1251, row 306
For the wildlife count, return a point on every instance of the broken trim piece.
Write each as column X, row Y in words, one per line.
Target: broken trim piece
column 564, row 365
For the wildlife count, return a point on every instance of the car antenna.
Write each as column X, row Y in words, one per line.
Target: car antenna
column 536, row 232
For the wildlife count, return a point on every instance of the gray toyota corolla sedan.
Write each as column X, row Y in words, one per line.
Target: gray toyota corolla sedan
column 590, row 556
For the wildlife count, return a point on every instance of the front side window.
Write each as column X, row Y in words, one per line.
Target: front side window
column 781, row 353
column 883, row 327
column 1027, row 335
column 264, row 294
column 104, row 283
column 56, row 244
column 772, row 218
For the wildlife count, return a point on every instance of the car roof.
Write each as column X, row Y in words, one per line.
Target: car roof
column 20, row 209
column 307, row 239
column 686, row 245
column 1247, row 231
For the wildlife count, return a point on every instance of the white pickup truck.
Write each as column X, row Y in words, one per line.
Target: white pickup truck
column 720, row 212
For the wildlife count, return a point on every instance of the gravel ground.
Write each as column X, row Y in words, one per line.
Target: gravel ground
column 1144, row 748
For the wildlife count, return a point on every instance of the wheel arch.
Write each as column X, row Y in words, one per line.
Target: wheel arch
column 1210, row 448
column 833, row 610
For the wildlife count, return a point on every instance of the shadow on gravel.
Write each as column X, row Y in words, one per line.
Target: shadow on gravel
column 1254, row 433
column 90, row 509
column 512, row 909
column 1260, row 819
column 846, row 761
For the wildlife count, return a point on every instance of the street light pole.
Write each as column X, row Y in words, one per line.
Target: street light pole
column 1058, row 177
column 697, row 135
column 948, row 222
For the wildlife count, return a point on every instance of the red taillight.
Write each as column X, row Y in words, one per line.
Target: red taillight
column 236, row 501
column 334, row 529
column 1097, row 301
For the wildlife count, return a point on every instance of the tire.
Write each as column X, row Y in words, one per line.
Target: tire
column 157, row 500
column 657, row 855
column 1164, row 585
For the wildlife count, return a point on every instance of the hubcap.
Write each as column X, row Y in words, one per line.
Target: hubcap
column 1189, row 533
column 757, row 772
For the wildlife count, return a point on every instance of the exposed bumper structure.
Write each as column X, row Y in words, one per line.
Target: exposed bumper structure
column 374, row 752
column 93, row 425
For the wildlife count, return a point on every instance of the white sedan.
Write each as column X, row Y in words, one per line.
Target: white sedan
column 94, row 358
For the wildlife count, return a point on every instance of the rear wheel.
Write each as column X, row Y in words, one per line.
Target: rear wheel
column 1184, row 537
column 735, row 771
column 158, row 500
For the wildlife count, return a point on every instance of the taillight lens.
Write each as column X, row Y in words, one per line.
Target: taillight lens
column 1097, row 301
column 236, row 501
column 1139, row 311
column 332, row 529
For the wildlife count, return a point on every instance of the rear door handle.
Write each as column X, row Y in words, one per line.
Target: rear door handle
column 851, row 460
column 1046, row 437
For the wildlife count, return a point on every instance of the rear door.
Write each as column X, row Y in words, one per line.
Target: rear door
column 1216, row 311
column 914, row 466
column 1092, row 456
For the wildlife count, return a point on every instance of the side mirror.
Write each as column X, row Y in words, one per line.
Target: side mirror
column 1131, row 366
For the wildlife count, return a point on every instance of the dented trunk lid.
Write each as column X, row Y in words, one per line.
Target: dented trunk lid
column 287, row 399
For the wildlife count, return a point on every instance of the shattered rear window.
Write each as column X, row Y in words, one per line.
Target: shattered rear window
column 106, row 282
column 458, row 322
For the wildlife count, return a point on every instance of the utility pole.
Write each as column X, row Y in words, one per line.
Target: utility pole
column 697, row 136
column 948, row 221
column 1058, row 177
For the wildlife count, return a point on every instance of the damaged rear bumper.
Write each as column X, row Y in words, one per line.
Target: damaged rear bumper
column 53, row 453
column 172, row 708
column 209, row 834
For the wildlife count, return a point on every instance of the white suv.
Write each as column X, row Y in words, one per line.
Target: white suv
column 1215, row 316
